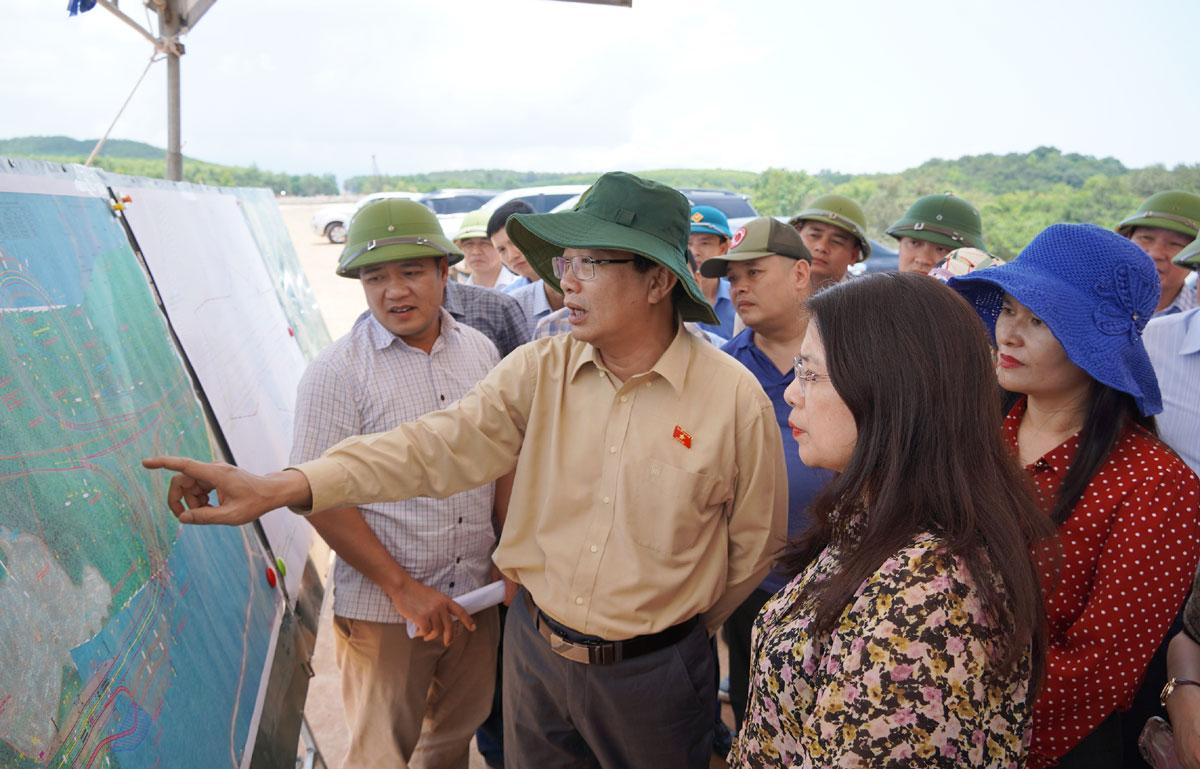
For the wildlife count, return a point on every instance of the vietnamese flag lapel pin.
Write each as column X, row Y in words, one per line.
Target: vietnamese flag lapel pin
column 683, row 437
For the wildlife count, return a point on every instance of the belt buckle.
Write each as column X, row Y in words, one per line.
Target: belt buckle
column 568, row 650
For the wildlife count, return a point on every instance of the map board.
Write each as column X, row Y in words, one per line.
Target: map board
column 224, row 308
column 283, row 265
column 126, row 639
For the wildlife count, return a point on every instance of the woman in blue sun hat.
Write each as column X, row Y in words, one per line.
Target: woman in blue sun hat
column 1067, row 317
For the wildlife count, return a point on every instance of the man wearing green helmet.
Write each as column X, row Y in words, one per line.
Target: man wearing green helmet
column 648, row 501
column 400, row 561
column 934, row 226
column 834, row 229
column 479, row 255
column 1164, row 225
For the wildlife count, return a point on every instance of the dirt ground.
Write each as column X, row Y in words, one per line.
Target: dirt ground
column 341, row 301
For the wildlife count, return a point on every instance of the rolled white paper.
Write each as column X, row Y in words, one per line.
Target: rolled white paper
column 474, row 601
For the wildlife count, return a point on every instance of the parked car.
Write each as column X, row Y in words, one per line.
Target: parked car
column 735, row 206
column 540, row 199
column 331, row 221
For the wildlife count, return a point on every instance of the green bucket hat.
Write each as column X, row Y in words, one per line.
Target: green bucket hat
column 840, row 211
column 392, row 229
column 1190, row 256
column 765, row 236
column 943, row 219
column 1174, row 210
column 621, row 212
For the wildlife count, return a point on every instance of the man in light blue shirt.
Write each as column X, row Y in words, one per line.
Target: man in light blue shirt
column 1173, row 342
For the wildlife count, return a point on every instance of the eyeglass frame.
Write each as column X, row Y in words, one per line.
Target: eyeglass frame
column 806, row 377
column 558, row 264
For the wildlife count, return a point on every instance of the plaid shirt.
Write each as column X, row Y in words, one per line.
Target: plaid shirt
column 493, row 312
column 370, row 381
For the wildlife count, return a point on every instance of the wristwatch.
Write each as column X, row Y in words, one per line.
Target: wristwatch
column 1171, row 685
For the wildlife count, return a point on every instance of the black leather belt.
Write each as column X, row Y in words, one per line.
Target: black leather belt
column 589, row 650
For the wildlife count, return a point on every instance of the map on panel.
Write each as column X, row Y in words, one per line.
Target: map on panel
column 279, row 257
column 126, row 640
column 225, row 310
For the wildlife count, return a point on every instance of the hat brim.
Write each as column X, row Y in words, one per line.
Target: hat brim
column 864, row 245
column 720, row 264
column 474, row 232
column 1127, row 227
column 541, row 237
column 704, row 228
column 401, row 252
column 1189, row 257
column 934, row 237
column 1047, row 298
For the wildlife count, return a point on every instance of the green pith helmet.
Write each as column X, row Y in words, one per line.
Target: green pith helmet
column 391, row 229
column 1176, row 211
column 840, row 211
column 1190, row 256
column 943, row 219
column 474, row 225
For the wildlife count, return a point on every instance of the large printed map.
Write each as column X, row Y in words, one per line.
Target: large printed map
column 126, row 640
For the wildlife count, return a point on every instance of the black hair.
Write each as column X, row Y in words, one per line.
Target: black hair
column 500, row 216
column 1109, row 412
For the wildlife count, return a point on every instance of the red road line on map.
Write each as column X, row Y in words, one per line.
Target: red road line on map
column 110, row 738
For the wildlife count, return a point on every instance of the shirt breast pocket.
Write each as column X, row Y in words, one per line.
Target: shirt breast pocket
column 668, row 509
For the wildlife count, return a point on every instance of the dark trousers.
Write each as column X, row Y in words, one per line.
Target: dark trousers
column 649, row 712
column 737, row 637
column 1101, row 749
column 489, row 738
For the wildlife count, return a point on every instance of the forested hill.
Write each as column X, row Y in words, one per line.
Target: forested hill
column 138, row 159
column 1018, row 194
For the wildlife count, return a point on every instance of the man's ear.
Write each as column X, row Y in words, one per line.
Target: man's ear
column 662, row 282
column 802, row 275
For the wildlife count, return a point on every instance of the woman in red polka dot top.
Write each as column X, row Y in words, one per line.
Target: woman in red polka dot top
column 1067, row 317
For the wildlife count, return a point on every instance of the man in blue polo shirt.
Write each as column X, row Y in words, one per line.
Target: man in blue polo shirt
column 709, row 238
column 768, row 273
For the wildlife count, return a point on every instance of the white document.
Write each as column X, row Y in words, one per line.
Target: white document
column 474, row 601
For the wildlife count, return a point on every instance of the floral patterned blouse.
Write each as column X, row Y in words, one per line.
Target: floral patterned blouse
column 904, row 679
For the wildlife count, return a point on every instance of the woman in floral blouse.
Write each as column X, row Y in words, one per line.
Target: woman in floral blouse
column 912, row 632
column 1067, row 316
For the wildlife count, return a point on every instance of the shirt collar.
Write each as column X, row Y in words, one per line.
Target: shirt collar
column 723, row 291
column 1191, row 334
column 381, row 338
column 672, row 365
column 1057, row 460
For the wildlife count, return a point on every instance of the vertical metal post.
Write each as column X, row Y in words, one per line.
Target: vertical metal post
column 168, row 26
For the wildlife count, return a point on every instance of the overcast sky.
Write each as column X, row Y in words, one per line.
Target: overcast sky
column 849, row 85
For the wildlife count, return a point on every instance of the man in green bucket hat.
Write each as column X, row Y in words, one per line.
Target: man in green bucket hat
column 648, row 500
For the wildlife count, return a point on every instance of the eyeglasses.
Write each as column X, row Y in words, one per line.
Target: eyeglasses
column 806, row 376
column 584, row 267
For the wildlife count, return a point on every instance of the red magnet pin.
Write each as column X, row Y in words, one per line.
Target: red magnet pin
column 270, row 576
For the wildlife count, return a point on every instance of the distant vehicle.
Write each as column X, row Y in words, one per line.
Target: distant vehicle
column 735, row 206
column 540, row 199
column 331, row 221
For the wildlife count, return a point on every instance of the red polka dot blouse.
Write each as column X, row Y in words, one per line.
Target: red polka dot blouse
column 1129, row 551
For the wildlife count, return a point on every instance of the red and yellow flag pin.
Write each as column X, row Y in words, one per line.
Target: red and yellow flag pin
column 682, row 436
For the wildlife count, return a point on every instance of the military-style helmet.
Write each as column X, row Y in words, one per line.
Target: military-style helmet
column 391, row 229
column 1176, row 211
column 842, row 212
column 943, row 219
column 1190, row 256
column 474, row 225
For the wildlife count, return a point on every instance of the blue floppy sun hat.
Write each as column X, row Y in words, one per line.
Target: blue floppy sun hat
column 1094, row 290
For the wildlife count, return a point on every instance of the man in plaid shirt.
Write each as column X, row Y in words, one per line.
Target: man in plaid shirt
column 408, row 701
